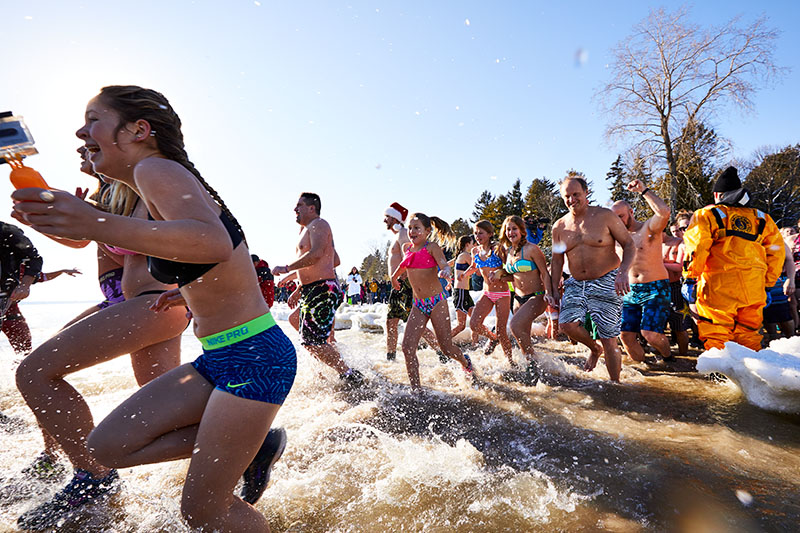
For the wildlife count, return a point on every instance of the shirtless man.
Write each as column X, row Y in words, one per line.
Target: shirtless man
column 587, row 235
column 646, row 307
column 672, row 254
column 318, row 292
column 400, row 301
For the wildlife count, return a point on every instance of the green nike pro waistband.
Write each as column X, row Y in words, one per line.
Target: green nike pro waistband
column 239, row 333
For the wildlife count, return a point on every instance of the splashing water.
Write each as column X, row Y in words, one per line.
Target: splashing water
column 660, row 452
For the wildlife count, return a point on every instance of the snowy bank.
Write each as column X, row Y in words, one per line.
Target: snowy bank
column 769, row 379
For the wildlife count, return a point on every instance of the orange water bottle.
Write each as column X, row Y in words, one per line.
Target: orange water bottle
column 23, row 177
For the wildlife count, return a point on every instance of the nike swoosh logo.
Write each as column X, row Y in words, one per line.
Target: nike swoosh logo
column 230, row 386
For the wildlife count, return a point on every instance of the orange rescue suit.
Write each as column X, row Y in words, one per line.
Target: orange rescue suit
column 734, row 253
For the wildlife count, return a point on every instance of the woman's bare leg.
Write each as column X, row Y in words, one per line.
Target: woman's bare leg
column 522, row 321
column 479, row 313
column 200, row 423
column 100, row 337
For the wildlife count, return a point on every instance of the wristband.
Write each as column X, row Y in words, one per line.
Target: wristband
column 644, row 192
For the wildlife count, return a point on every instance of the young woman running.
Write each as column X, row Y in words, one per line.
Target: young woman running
column 462, row 300
column 526, row 267
column 423, row 257
column 97, row 335
column 218, row 409
column 485, row 259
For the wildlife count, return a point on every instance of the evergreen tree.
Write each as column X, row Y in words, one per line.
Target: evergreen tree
column 461, row 227
column 501, row 208
column 516, row 204
column 376, row 264
column 483, row 206
column 543, row 199
column 616, row 177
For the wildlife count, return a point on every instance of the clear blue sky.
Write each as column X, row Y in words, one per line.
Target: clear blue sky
column 365, row 103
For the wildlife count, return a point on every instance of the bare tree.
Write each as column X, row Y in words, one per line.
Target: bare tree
column 670, row 73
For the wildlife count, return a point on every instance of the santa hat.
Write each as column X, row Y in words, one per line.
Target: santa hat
column 397, row 211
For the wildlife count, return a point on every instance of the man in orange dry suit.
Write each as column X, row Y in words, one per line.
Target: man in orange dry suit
column 733, row 252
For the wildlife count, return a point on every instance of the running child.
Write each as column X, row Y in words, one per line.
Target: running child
column 526, row 267
column 488, row 258
column 422, row 259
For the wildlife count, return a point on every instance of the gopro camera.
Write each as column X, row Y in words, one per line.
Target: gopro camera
column 15, row 138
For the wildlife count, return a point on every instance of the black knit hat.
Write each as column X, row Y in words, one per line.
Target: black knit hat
column 727, row 181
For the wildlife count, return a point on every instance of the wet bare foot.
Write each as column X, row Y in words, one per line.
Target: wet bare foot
column 591, row 362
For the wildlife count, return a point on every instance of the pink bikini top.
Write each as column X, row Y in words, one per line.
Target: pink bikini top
column 420, row 259
column 120, row 251
column 116, row 250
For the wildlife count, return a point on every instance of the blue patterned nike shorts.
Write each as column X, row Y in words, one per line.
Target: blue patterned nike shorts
column 260, row 368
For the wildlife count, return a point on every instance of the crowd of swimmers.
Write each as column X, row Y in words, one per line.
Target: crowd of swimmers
column 171, row 253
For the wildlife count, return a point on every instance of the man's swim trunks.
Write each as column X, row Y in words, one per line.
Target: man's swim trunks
column 400, row 301
column 646, row 307
column 318, row 304
column 111, row 285
column 254, row 361
column 462, row 301
column 596, row 297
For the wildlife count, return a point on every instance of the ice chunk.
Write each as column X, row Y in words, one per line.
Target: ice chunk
column 769, row 379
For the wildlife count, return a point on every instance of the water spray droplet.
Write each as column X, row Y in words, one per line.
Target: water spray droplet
column 744, row 497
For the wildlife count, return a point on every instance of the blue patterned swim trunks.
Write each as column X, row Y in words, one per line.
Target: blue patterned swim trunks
column 647, row 306
column 259, row 367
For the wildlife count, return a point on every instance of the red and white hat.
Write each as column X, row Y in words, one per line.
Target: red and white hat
column 397, row 211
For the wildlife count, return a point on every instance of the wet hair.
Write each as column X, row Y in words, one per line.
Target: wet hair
column 463, row 240
column 137, row 103
column 486, row 226
column 311, row 198
column 577, row 177
column 517, row 221
column 441, row 232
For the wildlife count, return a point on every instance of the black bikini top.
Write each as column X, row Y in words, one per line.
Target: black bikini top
column 168, row 271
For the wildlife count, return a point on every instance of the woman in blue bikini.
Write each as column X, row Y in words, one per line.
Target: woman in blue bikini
column 526, row 267
column 423, row 258
column 217, row 410
column 485, row 259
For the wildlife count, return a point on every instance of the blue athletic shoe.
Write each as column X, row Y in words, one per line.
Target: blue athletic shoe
column 257, row 474
column 82, row 490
